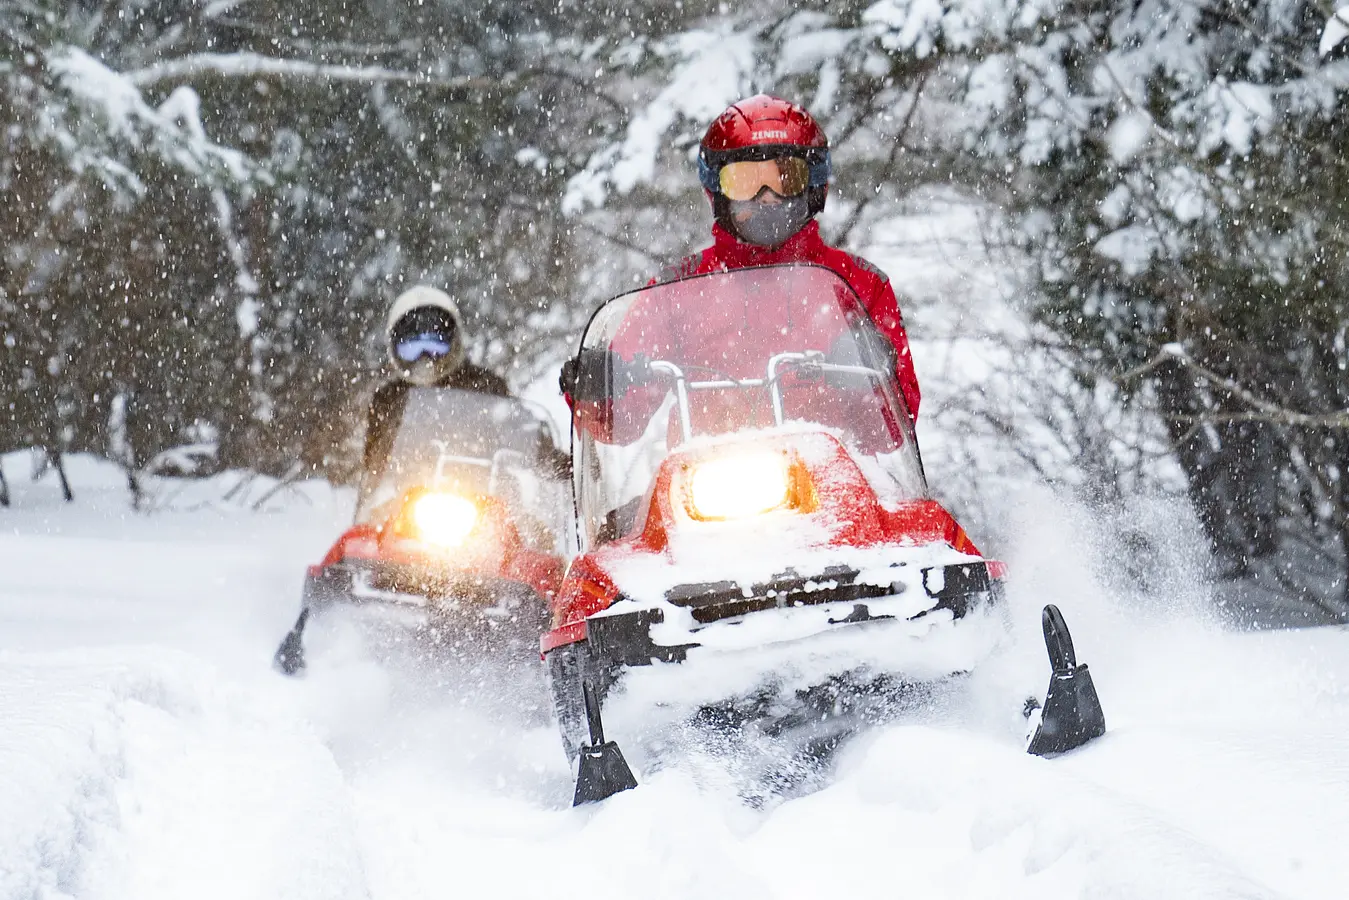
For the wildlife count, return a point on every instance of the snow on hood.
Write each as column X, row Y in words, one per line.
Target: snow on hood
column 757, row 551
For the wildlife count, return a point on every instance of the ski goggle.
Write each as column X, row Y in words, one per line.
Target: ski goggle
column 787, row 176
column 415, row 346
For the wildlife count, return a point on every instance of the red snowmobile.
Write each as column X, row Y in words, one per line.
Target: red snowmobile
column 461, row 536
column 753, row 506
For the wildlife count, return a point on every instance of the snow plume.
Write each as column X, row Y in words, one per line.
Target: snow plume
column 1125, row 575
column 1059, row 472
column 714, row 70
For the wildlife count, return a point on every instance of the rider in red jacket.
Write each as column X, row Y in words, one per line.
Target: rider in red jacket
column 764, row 164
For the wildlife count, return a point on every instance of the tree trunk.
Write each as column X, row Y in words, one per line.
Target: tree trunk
column 55, row 457
column 134, row 486
column 1232, row 472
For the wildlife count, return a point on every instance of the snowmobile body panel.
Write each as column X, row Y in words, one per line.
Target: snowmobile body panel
column 440, row 595
column 631, row 603
column 832, row 497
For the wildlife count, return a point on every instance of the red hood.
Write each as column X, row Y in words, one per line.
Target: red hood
column 804, row 246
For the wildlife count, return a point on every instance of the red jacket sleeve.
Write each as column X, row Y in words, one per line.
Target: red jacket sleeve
column 884, row 310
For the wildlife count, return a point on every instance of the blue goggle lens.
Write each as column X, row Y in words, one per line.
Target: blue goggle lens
column 413, row 348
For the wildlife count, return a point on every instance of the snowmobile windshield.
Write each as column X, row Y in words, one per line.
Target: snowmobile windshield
column 474, row 444
column 756, row 351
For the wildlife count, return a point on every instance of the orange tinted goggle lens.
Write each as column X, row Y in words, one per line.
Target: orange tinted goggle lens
column 786, row 175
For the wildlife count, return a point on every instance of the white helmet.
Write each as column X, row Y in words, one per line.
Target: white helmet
column 425, row 335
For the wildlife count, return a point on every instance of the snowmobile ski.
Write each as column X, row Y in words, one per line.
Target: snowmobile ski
column 289, row 658
column 602, row 771
column 1072, row 713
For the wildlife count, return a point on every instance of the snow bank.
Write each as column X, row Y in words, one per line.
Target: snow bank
column 128, row 774
column 146, row 749
column 102, row 495
column 955, row 817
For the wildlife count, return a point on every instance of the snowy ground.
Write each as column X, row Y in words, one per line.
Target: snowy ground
column 148, row 751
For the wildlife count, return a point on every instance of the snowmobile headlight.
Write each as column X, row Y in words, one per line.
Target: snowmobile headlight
column 738, row 486
column 444, row 519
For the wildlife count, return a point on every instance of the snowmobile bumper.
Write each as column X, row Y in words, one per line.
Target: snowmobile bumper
column 445, row 601
column 436, row 593
column 625, row 639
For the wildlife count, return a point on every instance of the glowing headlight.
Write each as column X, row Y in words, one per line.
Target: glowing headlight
column 444, row 519
column 735, row 487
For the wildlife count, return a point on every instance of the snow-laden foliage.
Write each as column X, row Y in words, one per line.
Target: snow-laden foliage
column 1176, row 180
column 217, row 203
column 97, row 118
column 120, row 228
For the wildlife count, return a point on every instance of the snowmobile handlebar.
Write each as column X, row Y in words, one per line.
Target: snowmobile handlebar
column 810, row 360
column 500, row 459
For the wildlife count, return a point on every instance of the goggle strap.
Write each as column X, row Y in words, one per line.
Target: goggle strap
column 821, row 171
column 708, row 176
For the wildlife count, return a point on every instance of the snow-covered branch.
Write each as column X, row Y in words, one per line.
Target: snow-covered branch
column 251, row 65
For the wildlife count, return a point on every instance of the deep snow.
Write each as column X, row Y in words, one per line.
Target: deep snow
column 147, row 750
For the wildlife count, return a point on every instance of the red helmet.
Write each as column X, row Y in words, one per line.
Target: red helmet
column 764, row 127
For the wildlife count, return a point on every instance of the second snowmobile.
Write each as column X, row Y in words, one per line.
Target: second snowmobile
column 753, row 509
column 460, row 535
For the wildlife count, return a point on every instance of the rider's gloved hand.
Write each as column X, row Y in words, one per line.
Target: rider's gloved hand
column 864, row 345
column 880, row 348
column 598, row 374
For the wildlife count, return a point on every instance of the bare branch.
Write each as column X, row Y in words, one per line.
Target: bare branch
column 618, row 241
column 255, row 65
column 855, row 216
column 1261, row 410
column 278, row 37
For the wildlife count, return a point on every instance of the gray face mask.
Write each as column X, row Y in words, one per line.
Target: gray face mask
column 424, row 372
column 769, row 224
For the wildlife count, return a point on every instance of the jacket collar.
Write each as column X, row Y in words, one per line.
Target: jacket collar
column 804, row 245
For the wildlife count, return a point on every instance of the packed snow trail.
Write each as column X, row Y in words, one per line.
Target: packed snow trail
column 148, row 751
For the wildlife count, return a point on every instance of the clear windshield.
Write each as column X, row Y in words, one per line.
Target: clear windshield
column 767, row 349
column 477, row 444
